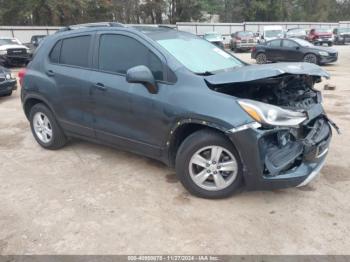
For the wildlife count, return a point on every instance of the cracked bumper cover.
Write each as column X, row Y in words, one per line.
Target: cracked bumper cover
column 271, row 161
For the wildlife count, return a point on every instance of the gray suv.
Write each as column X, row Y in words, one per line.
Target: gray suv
column 174, row 97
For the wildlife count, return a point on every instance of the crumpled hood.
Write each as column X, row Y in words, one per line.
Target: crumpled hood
column 5, row 47
column 256, row 72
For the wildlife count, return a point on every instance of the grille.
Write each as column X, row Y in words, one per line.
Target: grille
column 17, row 51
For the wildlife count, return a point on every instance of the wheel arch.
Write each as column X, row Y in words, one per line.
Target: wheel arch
column 30, row 101
column 184, row 129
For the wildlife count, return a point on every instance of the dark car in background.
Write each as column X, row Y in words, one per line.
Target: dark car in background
column 174, row 97
column 293, row 50
column 320, row 36
column 8, row 82
column 296, row 33
column 341, row 35
column 215, row 38
column 34, row 42
column 242, row 41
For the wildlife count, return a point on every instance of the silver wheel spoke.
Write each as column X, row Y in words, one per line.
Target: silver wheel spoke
column 201, row 177
column 219, row 181
column 199, row 160
column 42, row 127
column 215, row 154
column 217, row 172
column 228, row 166
column 48, row 132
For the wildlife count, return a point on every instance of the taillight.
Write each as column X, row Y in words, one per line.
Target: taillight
column 21, row 75
column 253, row 49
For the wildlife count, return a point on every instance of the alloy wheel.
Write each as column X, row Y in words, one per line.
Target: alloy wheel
column 42, row 127
column 261, row 59
column 310, row 58
column 213, row 168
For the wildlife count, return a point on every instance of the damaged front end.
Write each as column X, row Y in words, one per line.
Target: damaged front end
column 288, row 140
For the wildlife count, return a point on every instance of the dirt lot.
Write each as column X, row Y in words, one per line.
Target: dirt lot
column 90, row 199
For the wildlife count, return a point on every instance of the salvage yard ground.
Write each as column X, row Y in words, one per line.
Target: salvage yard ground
column 91, row 199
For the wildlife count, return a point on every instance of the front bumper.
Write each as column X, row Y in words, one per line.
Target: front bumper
column 324, row 41
column 269, row 164
column 7, row 86
column 328, row 59
column 245, row 45
column 9, row 59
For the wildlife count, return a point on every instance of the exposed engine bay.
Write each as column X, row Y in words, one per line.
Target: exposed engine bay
column 294, row 92
column 283, row 148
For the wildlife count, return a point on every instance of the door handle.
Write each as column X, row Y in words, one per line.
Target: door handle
column 50, row 73
column 100, row 87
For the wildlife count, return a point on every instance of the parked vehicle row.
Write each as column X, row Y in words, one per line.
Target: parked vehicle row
column 174, row 97
column 293, row 50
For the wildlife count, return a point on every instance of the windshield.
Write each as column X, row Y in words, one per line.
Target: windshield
column 245, row 34
column 323, row 30
column 9, row 41
column 273, row 33
column 344, row 30
column 303, row 42
column 198, row 55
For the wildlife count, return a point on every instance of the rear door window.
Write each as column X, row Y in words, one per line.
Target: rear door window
column 275, row 43
column 289, row 44
column 75, row 51
column 119, row 53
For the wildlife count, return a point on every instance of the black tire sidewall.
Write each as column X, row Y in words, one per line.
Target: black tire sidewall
column 56, row 130
column 189, row 147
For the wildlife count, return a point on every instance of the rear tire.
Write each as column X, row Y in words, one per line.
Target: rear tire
column 261, row 58
column 330, row 44
column 220, row 173
column 45, row 128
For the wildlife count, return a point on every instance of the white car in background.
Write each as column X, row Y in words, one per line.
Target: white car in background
column 13, row 52
column 272, row 32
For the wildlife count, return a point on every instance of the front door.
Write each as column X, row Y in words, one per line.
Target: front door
column 126, row 115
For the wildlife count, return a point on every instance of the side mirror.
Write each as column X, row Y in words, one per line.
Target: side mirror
column 142, row 75
column 224, row 38
column 297, row 48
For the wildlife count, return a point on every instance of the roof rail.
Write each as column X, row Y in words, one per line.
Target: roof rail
column 100, row 24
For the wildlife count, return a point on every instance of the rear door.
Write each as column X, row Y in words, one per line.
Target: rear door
column 69, row 65
column 273, row 50
column 291, row 51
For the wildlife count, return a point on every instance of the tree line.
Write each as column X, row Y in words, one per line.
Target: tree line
column 65, row 12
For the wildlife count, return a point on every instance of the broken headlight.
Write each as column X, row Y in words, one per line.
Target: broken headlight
column 271, row 115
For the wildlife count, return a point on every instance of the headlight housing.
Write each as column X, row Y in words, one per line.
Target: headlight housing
column 271, row 115
column 3, row 52
column 323, row 53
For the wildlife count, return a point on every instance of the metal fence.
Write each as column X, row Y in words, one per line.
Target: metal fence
column 24, row 33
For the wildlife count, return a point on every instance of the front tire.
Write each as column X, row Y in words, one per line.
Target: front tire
column 311, row 58
column 208, row 165
column 45, row 128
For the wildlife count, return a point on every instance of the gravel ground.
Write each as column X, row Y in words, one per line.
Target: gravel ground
column 91, row 199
